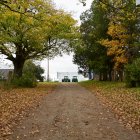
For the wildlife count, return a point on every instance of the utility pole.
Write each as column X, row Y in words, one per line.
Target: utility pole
column 48, row 76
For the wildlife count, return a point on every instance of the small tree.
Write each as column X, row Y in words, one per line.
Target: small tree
column 132, row 73
column 38, row 73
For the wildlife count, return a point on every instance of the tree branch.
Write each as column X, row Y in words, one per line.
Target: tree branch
column 5, row 3
column 6, row 52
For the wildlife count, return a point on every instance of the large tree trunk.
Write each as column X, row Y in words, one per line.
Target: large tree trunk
column 110, row 75
column 110, row 70
column 121, row 75
column 105, row 76
column 18, row 67
column 100, row 76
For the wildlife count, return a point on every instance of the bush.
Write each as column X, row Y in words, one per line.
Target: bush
column 27, row 80
column 30, row 68
column 31, row 73
column 132, row 73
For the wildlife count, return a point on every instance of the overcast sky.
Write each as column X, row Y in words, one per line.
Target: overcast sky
column 138, row 1
column 65, row 64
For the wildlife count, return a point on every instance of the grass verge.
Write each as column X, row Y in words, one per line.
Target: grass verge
column 125, row 102
column 16, row 103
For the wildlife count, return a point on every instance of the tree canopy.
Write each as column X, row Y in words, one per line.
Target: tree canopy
column 110, row 36
column 93, row 28
column 37, row 29
column 123, row 32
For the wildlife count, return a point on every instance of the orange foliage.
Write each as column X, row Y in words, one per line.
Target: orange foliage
column 116, row 46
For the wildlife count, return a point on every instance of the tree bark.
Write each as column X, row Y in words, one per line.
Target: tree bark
column 18, row 67
column 110, row 75
column 121, row 76
column 105, row 76
column 100, row 76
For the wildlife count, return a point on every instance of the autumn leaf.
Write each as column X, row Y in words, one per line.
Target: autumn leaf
column 16, row 103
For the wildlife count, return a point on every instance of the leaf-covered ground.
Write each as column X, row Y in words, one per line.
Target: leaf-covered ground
column 16, row 103
column 125, row 102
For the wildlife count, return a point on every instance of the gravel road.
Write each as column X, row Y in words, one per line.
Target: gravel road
column 71, row 113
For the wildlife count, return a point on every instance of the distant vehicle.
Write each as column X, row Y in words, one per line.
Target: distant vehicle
column 66, row 79
column 74, row 79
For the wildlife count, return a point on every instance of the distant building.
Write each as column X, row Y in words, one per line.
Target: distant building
column 60, row 76
column 4, row 73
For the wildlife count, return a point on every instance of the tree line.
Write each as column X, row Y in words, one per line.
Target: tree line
column 110, row 39
column 107, row 42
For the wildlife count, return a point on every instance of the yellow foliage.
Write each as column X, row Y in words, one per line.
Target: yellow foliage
column 32, row 23
column 116, row 31
column 116, row 46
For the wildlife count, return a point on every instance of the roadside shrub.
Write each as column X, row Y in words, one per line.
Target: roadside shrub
column 33, row 70
column 27, row 80
column 31, row 73
column 132, row 74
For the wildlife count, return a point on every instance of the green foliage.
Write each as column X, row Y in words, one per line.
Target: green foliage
column 91, row 55
column 132, row 72
column 27, row 80
column 110, row 37
column 38, row 73
column 34, row 29
column 31, row 73
column 123, row 33
column 36, row 70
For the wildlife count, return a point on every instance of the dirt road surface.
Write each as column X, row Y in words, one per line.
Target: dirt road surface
column 71, row 113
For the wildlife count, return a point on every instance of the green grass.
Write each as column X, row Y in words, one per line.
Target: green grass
column 110, row 86
column 104, row 84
